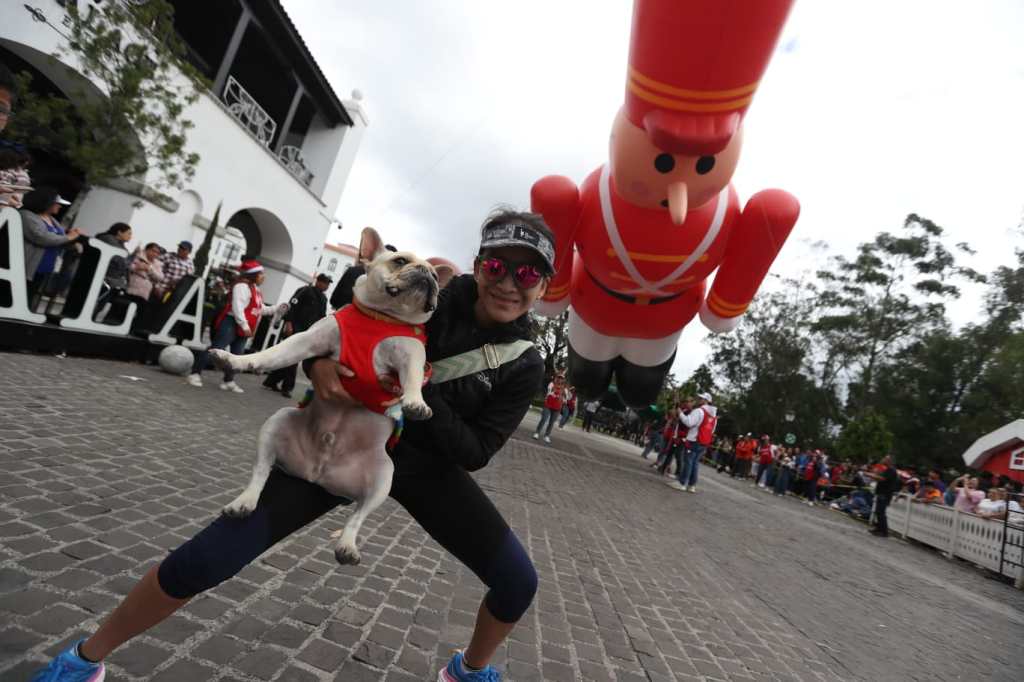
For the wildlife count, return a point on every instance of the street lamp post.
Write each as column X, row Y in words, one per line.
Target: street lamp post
column 790, row 437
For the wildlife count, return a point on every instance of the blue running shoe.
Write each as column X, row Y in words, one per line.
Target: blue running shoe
column 70, row 667
column 454, row 672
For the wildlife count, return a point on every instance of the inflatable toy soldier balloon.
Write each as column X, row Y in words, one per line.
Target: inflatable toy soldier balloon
column 638, row 241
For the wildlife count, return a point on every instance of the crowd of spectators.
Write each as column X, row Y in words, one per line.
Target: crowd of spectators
column 146, row 276
column 811, row 475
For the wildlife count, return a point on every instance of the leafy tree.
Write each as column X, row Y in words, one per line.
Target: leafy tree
column 948, row 388
column 866, row 352
column 700, row 381
column 552, row 340
column 669, row 394
column 865, row 438
column 136, row 125
column 883, row 300
column 998, row 396
column 766, row 370
column 918, row 396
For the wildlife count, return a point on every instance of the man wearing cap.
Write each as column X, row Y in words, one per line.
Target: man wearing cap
column 700, row 425
column 307, row 305
column 177, row 265
column 652, row 225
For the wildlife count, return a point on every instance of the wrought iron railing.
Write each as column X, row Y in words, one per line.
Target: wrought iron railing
column 262, row 127
column 291, row 158
column 250, row 114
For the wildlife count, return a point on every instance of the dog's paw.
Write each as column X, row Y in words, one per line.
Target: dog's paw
column 242, row 506
column 347, row 555
column 416, row 410
column 221, row 358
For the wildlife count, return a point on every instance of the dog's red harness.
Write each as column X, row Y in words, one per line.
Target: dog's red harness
column 361, row 330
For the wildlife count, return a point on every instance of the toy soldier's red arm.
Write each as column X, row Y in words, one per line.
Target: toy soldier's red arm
column 762, row 229
column 558, row 199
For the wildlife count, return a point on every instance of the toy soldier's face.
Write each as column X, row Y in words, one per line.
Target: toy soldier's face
column 647, row 176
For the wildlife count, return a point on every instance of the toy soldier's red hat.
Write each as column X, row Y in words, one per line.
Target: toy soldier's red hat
column 694, row 67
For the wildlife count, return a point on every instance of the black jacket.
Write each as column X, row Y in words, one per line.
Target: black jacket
column 475, row 415
column 307, row 305
column 117, row 271
column 889, row 484
column 342, row 294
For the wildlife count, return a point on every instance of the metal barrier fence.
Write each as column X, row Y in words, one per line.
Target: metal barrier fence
column 995, row 544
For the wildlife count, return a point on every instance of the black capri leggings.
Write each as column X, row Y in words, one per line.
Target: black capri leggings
column 448, row 503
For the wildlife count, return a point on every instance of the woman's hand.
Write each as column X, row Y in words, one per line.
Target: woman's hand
column 326, row 375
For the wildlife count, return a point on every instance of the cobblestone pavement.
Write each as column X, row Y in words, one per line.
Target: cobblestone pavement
column 102, row 474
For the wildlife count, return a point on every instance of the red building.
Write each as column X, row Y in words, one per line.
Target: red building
column 1001, row 452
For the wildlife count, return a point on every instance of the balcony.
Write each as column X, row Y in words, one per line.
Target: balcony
column 265, row 78
column 258, row 123
column 291, row 158
column 246, row 111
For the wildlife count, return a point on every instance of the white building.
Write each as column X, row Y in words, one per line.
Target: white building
column 276, row 142
column 335, row 260
column 226, row 251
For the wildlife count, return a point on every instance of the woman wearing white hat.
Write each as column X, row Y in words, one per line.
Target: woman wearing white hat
column 237, row 321
column 43, row 234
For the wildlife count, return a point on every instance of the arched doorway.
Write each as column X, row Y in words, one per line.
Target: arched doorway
column 52, row 78
column 267, row 239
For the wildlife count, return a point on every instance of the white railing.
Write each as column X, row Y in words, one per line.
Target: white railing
column 250, row 114
column 291, row 158
column 960, row 534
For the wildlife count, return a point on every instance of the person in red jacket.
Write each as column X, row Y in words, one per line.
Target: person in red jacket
column 236, row 322
column 764, row 462
column 744, row 457
column 553, row 401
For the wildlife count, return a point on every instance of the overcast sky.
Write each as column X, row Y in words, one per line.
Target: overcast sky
column 869, row 111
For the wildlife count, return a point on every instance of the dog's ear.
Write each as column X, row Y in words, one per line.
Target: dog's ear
column 370, row 244
column 445, row 270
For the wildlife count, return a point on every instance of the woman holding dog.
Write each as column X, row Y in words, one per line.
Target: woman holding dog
column 473, row 417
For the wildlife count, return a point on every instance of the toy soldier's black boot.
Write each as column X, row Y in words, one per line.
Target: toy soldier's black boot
column 639, row 386
column 589, row 377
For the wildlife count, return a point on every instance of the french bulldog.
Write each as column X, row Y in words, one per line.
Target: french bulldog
column 341, row 447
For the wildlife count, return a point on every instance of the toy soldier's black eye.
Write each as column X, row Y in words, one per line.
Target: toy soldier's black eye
column 665, row 163
column 705, row 164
